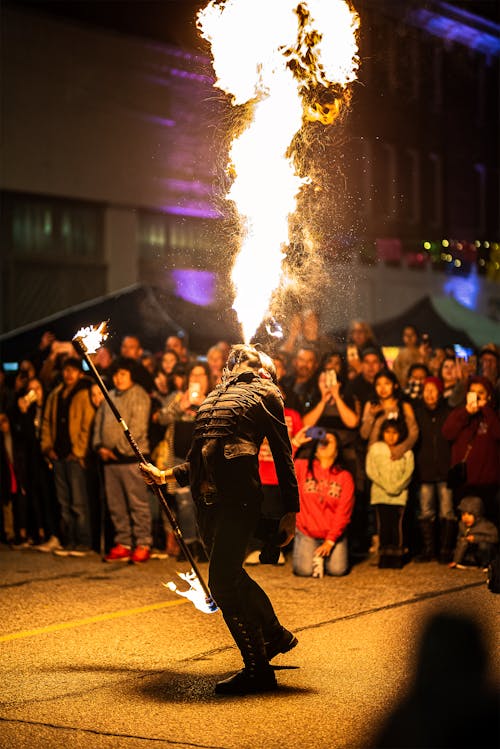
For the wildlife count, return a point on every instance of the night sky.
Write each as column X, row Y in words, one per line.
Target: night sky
column 173, row 21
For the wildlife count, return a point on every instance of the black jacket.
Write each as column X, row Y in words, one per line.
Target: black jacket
column 232, row 422
column 432, row 451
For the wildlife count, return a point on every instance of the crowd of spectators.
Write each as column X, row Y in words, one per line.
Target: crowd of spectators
column 397, row 459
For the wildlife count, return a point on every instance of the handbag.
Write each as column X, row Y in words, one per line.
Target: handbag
column 457, row 474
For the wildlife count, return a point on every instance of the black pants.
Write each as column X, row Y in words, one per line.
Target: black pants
column 226, row 529
column 390, row 528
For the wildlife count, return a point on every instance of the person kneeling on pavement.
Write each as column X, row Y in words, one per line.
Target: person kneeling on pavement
column 477, row 537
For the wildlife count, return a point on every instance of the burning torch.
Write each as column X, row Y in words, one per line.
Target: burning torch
column 87, row 341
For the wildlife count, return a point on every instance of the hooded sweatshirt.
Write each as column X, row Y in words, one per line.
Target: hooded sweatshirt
column 483, row 530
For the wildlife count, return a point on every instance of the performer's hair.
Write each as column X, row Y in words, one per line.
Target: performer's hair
column 242, row 353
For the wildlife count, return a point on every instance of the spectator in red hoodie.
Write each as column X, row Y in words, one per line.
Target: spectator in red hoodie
column 326, row 500
column 474, row 431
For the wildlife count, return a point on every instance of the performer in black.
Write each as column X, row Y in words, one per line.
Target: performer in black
column 222, row 470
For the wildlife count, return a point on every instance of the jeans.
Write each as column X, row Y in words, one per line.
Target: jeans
column 304, row 548
column 128, row 503
column 427, row 494
column 186, row 514
column 71, row 490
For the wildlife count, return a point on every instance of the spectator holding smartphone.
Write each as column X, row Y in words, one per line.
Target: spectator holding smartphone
column 335, row 410
column 474, row 431
column 389, row 405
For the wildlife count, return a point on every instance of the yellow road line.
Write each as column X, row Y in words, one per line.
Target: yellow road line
column 89, row 620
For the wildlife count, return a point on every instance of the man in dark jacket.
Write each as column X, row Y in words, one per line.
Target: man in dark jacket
column 66, row 428
column 223, row 472
column 432, row 461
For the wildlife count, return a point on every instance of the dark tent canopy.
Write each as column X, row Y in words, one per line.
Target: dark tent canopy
column 142, row 310
column 445, row 320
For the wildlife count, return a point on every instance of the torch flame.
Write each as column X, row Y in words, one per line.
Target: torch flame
column 276, row 56
column 92, row 337
column 194, row 593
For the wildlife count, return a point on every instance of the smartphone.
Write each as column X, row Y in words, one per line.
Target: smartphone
column 316, row 433
column 330, row 378
column 194, row 390
column 472, row 399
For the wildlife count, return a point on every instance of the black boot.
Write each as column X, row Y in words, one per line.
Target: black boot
column 282, row 642
column 447, row 540
column 257, row 675
column 427, row 530
column 391, row 558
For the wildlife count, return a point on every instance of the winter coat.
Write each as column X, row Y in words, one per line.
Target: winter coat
column 482, row 431
column 390, row 477
column 432, row 451
column 80, row 420
column 483, row 530
column 134, row 406
column 326, row 500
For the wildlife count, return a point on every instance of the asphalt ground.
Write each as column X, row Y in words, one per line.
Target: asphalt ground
column 103, row 656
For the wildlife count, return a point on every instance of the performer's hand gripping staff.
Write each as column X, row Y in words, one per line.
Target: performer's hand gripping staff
column 87, row 341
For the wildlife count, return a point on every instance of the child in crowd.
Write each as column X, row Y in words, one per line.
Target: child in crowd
column 477, row 537
column 326, row 492
column 391, row 476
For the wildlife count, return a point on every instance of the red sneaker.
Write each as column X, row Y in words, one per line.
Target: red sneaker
column 141, row 554
column 119, row 553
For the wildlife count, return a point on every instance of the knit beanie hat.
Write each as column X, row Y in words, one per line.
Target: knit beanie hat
column 437, row 381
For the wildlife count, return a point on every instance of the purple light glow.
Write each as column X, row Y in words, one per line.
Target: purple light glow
column 464, row 290
column 195, row 286
column 460, row 32
column 197, row 211
column 155, row 120
column 195, row 187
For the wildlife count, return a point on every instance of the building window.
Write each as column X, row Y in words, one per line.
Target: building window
column 480, row 193
column 153, row 235
column 434, row 191
column 51, row 227
column 162, row 235
column 388, row 180
column 437, row 75
column 409, row 180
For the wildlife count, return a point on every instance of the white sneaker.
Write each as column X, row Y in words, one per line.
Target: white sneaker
column 158, row 554
column 51, row 545
column 80, row 552
column 62, row 552
column 253, row 557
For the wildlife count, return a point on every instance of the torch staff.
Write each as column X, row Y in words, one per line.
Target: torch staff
column 135, row 447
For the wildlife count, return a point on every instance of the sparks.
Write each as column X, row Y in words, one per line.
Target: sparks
column 194, row 593
column 92, row 337
column 277, row 57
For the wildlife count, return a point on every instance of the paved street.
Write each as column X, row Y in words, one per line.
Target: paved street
column 101, row 656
